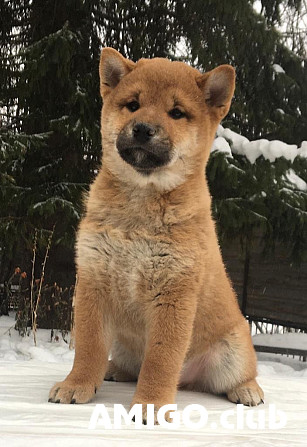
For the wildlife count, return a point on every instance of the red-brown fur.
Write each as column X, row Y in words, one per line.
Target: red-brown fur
column 152, row 287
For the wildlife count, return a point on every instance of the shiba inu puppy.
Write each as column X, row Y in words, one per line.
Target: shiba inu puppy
column 152, row 288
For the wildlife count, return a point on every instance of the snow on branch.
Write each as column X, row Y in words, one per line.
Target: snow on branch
column 230, row 142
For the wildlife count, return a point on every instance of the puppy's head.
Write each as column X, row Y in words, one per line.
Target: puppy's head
column 159, row 117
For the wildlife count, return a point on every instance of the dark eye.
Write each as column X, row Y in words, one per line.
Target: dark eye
column 133, row 106
column 176, row 114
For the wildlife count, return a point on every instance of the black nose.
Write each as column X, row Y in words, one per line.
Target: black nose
column 143, row 132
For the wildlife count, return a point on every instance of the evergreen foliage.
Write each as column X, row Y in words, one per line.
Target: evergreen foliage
column 259, row 198
column 57, row 96
column 50, row 112
column 232, row 32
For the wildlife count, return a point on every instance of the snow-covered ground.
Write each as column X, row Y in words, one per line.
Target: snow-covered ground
column 287, row 340
column 26, row 418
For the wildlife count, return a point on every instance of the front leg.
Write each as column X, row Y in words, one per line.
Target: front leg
column 92, row 342
column 170, row 319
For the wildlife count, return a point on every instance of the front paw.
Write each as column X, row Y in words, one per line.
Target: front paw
column 72, row 392
column 150, row 415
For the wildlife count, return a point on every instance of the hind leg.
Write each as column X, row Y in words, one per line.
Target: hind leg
column 228, row 367
column 125, row 364
column 248, row 393
column 116, row 374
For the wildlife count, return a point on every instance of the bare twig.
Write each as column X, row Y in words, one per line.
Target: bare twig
column 32, row 278
column 34, row 327
column 72, row 321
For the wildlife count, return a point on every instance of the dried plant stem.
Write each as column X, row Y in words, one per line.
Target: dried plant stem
column 34, row 327
column 32, row 279
column 72, row 318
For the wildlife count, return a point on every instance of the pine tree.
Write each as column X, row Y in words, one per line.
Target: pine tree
column 140, row 29
column 13, row 142
column 267, row 104
column 50, row 110
column 266, row 197
column 270, row 102
column 58, row 97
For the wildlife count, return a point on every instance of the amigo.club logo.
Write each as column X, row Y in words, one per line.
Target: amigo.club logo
column 193, row 416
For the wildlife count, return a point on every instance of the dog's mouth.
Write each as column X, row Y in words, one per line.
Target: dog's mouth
column 145, row 158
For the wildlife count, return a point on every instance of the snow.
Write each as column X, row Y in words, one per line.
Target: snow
column 252, row 150
column 6, row 322
column 296, row 180
column 234, row 137
column 278, row 69
column 276, row 149
column 288, row 340
column 26, row 418
column 221, row 145
column 303, row 149
column 22, row 348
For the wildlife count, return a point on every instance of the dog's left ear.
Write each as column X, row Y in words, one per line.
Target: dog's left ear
column 218, row 87
column 112, row 68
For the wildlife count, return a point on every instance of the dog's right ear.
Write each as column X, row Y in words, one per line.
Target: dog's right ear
column 113, row 66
